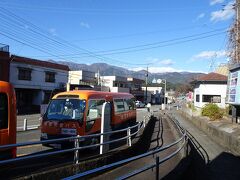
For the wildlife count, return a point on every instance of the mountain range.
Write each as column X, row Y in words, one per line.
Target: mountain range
column 107, row 70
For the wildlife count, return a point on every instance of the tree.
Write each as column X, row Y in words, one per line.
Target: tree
column 183, row 89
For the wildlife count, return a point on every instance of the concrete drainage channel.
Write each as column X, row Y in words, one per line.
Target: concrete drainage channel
column 140, row 145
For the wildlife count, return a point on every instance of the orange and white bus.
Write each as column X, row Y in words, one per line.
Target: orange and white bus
column 7, row 119
column 78, row 112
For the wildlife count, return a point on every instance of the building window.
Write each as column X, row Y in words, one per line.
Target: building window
column 24, row 74
column 197, row 98
column 212, row 98
column 3, row 111
column 50, row 77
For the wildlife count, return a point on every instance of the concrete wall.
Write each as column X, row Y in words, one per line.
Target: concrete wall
column 210, row 89
column 225, row 133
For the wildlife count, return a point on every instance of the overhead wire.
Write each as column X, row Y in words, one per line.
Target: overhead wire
column 93, row 54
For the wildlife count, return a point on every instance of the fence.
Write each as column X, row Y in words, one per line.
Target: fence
column 183, row 139
column 76, row 140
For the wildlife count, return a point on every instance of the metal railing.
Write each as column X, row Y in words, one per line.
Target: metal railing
column 158, row 161
column 76, row 140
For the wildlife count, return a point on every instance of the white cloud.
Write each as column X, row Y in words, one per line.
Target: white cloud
column 85, row 25
column 200, row 16
column 213, row 2
column 156, row 69
column 167, row 62
column 209, row 54
column 53, row 31
column 224, row 14
column 164, row 70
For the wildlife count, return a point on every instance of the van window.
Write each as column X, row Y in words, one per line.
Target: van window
column 119, row 105
column 94, row 109
column 3, row 111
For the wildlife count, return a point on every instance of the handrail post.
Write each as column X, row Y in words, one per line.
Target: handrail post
column 144, row 121
column 76, row 152
column 157, row 168
column 25, row 124
column 129, row 139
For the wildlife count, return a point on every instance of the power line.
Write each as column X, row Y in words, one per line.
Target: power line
column 111, row 52
column 64, row 42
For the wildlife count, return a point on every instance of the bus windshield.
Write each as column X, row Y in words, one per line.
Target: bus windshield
column 66, row 109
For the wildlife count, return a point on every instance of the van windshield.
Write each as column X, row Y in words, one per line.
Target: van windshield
column 66, row 109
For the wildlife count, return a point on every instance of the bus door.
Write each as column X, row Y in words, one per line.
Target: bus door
column 4, row 134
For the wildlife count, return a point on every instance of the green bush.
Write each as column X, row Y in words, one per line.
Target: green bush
column 212, row 111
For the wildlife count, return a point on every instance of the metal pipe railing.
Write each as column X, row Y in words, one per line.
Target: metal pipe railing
column 106, row 167
column 76, row 148
column 152, row 152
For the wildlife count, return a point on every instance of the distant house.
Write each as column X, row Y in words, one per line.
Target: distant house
column 115, row 83
column 35, row 81
column 81, row 79
column 210, row 88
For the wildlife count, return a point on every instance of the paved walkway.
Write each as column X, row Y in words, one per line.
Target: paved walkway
column 159, row 134
column 209, row 145
column 223, row 164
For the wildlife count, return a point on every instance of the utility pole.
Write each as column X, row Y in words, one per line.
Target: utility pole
column 98, row 78
column 146, row 83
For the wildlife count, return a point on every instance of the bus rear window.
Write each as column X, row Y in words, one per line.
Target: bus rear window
column 3, row 111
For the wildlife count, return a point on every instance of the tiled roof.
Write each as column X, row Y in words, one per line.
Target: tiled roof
column 212, row 77
column 39, row 63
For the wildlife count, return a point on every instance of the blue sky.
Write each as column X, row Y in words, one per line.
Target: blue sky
column 164, row 35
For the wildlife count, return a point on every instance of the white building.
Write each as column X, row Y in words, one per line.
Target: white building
column 210, row 88
column 115, row 83
column 154, row 93
column 82, row 77
column 35, row 81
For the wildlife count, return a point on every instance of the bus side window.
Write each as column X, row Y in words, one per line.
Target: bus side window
column 3, row 111
column 126, row 107
column 131, row 104
column 94, row 109
column 118, row 105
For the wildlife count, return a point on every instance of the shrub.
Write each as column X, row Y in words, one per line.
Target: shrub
column 212, row 111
